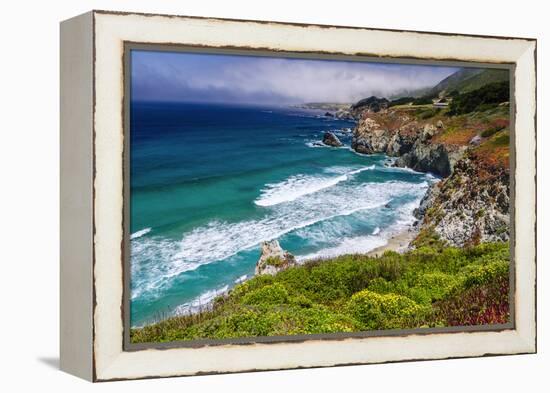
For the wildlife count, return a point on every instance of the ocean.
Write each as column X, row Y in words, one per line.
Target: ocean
column 210, row 182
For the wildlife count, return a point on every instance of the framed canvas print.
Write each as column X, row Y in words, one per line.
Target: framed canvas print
column 246, row 195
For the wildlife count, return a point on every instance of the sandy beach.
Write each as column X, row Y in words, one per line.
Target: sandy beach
column 398, row 243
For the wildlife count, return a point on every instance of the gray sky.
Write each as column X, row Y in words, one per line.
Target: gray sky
column 176, row 76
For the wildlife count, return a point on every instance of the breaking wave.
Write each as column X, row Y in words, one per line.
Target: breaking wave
column 300, row 185
column 157, row 261
column 140, row 233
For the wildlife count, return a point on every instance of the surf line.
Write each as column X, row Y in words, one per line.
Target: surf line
column 298, row 186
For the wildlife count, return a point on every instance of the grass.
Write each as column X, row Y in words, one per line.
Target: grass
column 430, row 286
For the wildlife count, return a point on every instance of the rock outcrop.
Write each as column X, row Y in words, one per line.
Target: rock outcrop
column 371, row 104
column 409, row 140
column 369, row 137
column 330, row 139
column 470, row 206
column 471, row 203
column 434, row 158
column 273, row 259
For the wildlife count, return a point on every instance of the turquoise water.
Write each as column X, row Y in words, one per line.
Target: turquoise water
column 210, row 182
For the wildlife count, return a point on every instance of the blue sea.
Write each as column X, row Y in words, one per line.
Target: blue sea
column 210, row 182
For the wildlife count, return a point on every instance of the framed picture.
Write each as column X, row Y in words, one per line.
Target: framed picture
column 246, row 195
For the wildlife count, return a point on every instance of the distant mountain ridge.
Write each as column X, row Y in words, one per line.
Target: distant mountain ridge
column 468, row 79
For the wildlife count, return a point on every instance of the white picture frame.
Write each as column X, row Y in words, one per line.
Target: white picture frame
column 93, row 192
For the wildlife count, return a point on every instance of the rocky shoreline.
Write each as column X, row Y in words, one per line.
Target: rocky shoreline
column 471, row 204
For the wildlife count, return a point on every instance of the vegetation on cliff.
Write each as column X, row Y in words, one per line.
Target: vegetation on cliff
column 462, row 81
column 467, row 145
column 480, row 99
column 427, row 287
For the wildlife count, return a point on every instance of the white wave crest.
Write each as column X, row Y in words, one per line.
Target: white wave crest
column 241, row 279
column 200, row 303
column 156, row 261
column 321, row 144
column 140, row 233
column 378, row 238
column 429, row 176
column 299, row 185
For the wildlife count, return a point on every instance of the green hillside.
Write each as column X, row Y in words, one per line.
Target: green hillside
column 455, row 81
column 426, row 287
column 469, row 79
column 462, row 81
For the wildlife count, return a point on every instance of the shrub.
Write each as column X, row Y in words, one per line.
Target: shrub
column 382, row 311
column 429, row 113
column 423, row 288
column 438, row 285
column 401, row 101
column 242, row 289
column 428, row 238
column 486, row 273
column 423, row 100
column 501, row 140
column 492, row 93
column 302, row 301
column 492, row 130
column 270, row 294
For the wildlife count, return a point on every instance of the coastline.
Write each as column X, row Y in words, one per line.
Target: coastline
column 466, row 151
column 398, row 243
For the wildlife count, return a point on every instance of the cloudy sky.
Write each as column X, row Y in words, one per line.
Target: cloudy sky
column 186, row 77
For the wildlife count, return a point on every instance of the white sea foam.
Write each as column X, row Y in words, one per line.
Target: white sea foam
column 321, row 144
column 241, row 279
column 156, row 261
column 365, row 244
column 152, row 264
column 400, row 169
column 406, row 214
column 299, row 185
column 140, row 233
column 200, row 303
column 429, row 176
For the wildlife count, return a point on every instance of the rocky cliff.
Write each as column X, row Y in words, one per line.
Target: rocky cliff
column 470, row 154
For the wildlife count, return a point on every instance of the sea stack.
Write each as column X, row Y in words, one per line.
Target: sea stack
column 273, row 259
column 330, row 139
